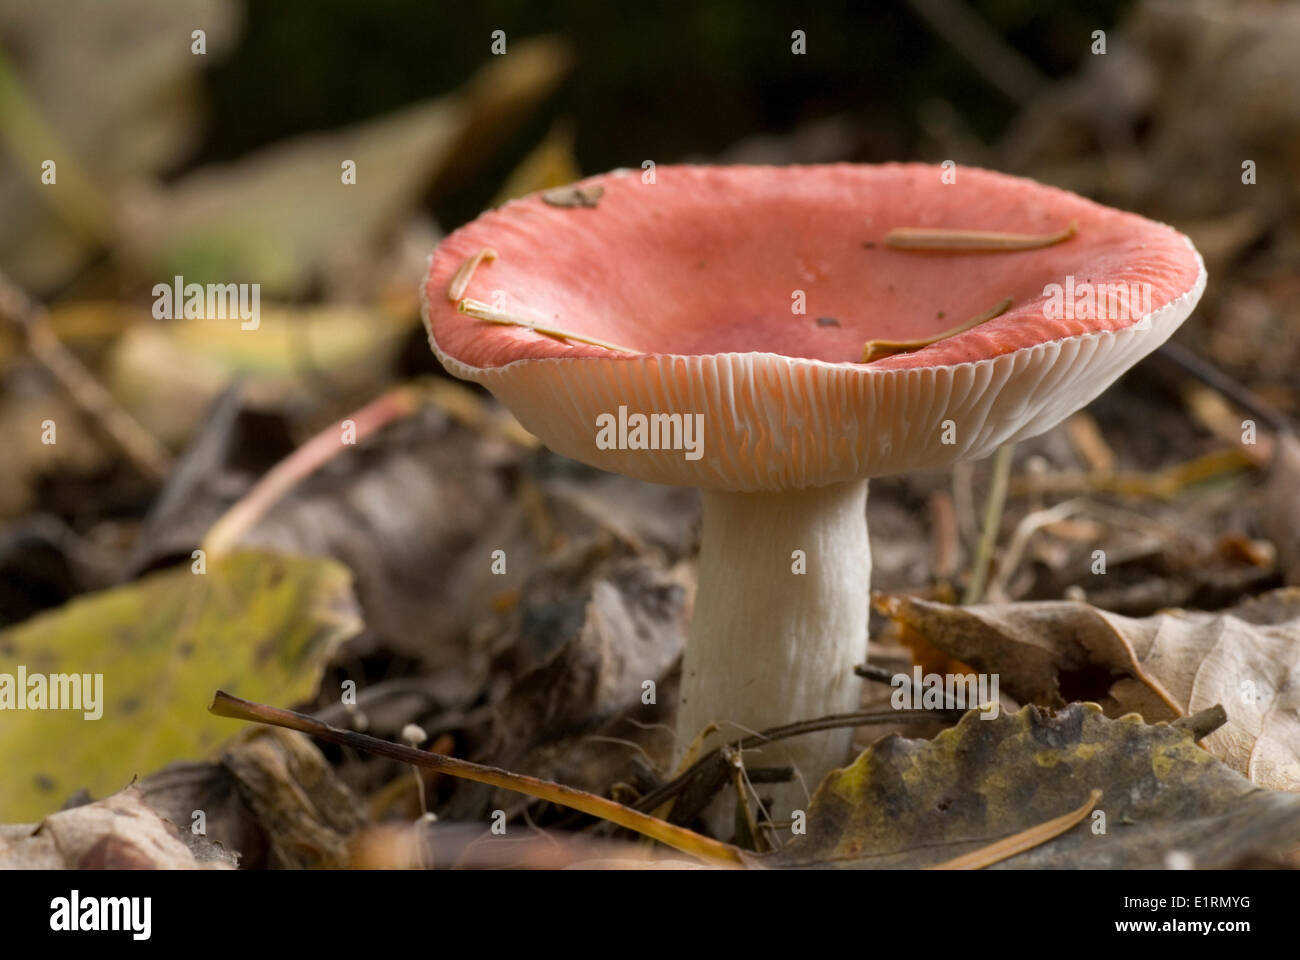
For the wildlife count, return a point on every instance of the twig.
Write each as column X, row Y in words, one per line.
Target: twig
column 997, row 498
column 869, row 671
column 707, row 774
column 880, row 675
column 1018, row 843
column 144, row 450
column 1204, row 722
column 679, row 838
column 306, row 460
column 1217, row 380
column 736, row 768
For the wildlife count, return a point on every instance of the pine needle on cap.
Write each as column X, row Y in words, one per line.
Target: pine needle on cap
column 876, row 349
column 485, row 311
column 939, row 239
column 465, row 272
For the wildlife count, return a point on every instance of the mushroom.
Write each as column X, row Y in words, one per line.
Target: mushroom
column 615, row 328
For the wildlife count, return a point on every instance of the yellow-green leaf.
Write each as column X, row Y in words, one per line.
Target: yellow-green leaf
column 262, row 625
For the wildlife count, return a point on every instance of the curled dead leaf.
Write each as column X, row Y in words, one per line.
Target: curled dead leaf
column 1178, row 661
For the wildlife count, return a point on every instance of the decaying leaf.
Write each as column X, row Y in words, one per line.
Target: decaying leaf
column 918, row 803
column 590, row 629
column 145, row 114
column 166, row 375
column 1246, row 658
column 627, row 626
column 272, row 799
column 306, row 812
column 573, row 196
column 119, row 832
column 154, row 650
column 552, row 163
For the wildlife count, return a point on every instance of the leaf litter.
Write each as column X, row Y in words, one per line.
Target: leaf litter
column 540, row 668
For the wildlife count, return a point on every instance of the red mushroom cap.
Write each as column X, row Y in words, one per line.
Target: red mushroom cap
column 697, row 273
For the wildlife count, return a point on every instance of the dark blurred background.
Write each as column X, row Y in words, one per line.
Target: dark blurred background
column 649, row 80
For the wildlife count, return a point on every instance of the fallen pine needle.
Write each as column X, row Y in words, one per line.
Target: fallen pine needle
column 972, row 241
column 875, row 349
column 1020, row 842
column 679, row 838
column 465, row 272
column 485, row 311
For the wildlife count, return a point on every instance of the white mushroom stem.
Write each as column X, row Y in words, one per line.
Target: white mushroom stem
column 769, row 645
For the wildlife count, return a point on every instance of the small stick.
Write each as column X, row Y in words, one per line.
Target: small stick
column 1204, row 723
column 711, row 762
column 465, row 272
column 679, row 838
column 1217, row 380
column 311, row 456
column 484, row 311
column 875, row 349
column 942, row 240
column 736, row 767
column 1018, row 843
column 141, row 447
column 997, row 498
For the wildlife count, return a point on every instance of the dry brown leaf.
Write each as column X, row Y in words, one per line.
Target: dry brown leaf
column 1246, row 658
column 119, row 832
column 918, row 803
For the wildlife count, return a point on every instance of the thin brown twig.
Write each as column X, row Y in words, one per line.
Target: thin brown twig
column 141, row 447
column 311, row 456
column 708, row 766
column 1214, row 378
column 679, row 838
